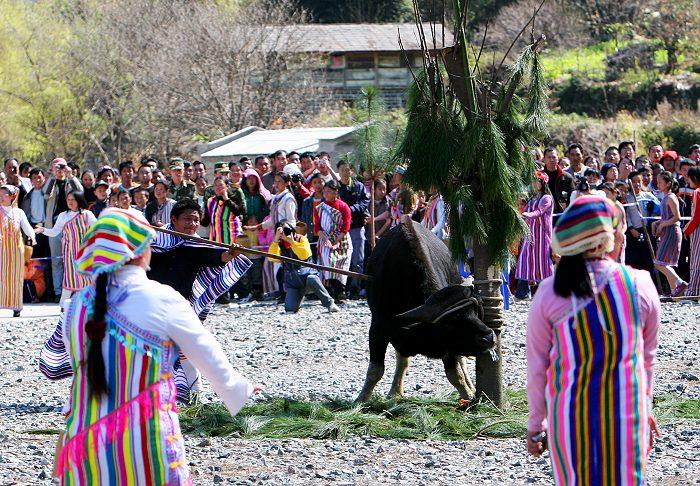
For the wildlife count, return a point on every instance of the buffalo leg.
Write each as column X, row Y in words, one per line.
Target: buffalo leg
column 456, row 377
column 375, row 371
column 396, row 389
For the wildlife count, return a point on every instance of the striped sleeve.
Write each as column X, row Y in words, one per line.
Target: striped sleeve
column 54, row 362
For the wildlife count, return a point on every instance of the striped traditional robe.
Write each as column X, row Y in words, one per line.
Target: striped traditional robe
column 72, row 235
column 694, row 283
column 209, row 285
column 211, row 282
column 669, row 250
column 331, row 221
column 132, row 435
column 535, row 259
column 11, row 261
column 596, row 389
column 225, row 227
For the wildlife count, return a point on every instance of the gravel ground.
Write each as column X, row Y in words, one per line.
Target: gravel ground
column 313, row 355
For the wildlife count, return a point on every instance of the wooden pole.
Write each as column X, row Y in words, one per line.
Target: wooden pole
column 251, row 251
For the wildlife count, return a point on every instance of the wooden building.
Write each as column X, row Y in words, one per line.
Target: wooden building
column 357, row 55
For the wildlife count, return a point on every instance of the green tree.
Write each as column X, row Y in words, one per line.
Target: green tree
column 42, row 99
column 468, row 134
column 373, row 143
column 357, row 11
column 674, row 23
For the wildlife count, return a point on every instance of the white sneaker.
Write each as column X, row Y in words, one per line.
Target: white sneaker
column 333, row 308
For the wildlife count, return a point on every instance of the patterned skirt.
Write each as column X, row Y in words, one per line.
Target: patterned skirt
column 694, row 284
column 335, row 258
column 669, row 250
column 11, row 268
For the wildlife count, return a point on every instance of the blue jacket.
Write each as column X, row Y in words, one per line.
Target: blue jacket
column 307, row 217
column 355, row 195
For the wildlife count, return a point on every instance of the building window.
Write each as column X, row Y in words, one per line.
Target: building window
column 389, row 60
column 360, row 61
column 413, row 58
column 337, row 61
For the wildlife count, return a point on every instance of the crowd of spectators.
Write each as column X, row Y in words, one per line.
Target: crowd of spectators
column 248, row 202
column 656, row 195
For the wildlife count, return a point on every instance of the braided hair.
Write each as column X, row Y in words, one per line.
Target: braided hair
column 95, row 329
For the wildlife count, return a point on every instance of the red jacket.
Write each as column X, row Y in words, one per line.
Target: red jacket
column 344, row 210
column 695, row 220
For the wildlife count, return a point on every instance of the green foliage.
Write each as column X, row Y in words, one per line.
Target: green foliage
column 411, row 418
column 637, row 92
column 677, row 136
column 588, row 61
column 42, row 103
column 473, row 146
column 374, row 137
column 355, row 11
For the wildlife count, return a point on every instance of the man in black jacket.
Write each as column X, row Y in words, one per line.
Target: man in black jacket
column 353, row 193
column 561, row 183
column 179, row 266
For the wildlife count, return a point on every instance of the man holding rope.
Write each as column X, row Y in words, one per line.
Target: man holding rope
column 201, row 273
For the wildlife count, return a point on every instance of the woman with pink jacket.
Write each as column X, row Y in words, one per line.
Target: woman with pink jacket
column 591, row 350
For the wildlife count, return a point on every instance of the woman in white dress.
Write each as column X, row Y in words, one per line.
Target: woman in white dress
column 13, row 222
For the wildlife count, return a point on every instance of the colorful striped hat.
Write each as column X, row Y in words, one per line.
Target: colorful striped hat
column 117, row 237
column 586, row 224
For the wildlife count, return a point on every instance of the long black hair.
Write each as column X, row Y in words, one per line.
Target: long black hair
column 95, row 329
column 544, row 190
column 668, row 177
column 694, row 175
column 80, row 199
column 571, row 276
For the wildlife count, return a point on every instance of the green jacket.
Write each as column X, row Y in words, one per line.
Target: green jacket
column 186, row 190
column 234, row 193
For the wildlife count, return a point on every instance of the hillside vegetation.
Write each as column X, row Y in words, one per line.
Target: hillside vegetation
column 122, row 78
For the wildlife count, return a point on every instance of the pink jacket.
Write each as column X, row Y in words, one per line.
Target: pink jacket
column 546, row 306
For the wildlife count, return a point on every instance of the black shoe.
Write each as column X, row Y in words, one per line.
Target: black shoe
column 280, row 299
column 57, row 299
column 223, row 300
column 340, row 297
column 15, row 313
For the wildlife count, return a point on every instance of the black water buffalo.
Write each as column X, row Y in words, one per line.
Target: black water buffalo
column 420, row 306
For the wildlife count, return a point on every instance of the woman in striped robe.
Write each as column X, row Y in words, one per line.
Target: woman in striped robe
column 13, row 222
column 221, row 215
column 122, row 335
column 591, row 350
column 535, row 259
column 692, row 231
column 333, row 220
column 71, row 226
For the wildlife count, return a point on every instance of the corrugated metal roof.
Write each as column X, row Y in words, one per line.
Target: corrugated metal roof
column 267, row 141
column 363, row 37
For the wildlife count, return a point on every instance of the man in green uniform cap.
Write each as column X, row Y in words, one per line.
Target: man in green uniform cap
column 180, row 189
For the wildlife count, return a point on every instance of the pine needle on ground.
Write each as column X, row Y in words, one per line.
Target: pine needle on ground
column 436, row 418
